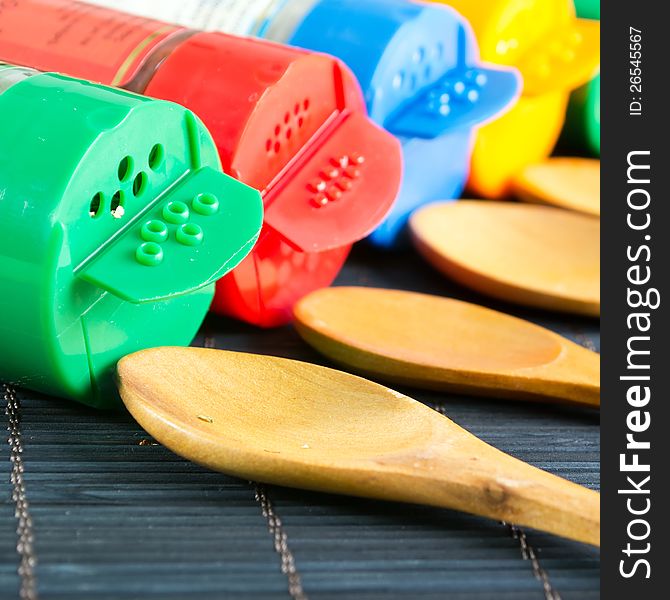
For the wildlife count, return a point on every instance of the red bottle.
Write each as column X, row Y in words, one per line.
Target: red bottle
column 290, row 123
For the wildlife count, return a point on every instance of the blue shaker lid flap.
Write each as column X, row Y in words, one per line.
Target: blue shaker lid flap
column 462, row 98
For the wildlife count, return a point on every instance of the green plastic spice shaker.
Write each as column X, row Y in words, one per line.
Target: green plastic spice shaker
column 115, row 222
column 588, row 9
column 582, row 129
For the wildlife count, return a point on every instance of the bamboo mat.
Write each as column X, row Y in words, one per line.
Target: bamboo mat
column 115, row 516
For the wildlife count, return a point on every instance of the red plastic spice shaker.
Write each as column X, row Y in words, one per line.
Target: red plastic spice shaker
column 292, row 124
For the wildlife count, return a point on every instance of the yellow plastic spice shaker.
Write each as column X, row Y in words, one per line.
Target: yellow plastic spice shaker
column 555, row 52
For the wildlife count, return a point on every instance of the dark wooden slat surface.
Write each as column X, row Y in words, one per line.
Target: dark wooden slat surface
column 118, row 518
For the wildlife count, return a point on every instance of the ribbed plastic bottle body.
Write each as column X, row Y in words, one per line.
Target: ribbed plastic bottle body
column 82, row 40
column 239, row 17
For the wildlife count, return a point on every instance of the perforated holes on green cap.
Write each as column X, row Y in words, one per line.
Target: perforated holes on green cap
column 139, row 184
column 206, row 204
column 190, row 234
column 154, row 231
column 149, row 254
column 176, row 212
column 156, row 157
column 116, row 208
column 125, row 168
column 96, row 207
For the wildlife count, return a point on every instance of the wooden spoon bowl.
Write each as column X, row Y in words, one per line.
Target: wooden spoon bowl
column 444, row 344
column 566, row 182
column 532, row 255
column 296, row 424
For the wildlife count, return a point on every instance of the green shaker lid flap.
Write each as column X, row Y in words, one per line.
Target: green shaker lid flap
column 194, row 234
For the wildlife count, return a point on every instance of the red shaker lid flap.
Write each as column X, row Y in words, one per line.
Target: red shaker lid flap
column 340, row 189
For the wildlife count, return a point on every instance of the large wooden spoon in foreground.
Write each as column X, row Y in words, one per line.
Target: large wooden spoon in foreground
column 296, row 424
column 440, row 343
column 532, row 255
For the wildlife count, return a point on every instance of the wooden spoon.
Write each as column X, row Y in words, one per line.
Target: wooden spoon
column 301, row 425
column 443, row 344
column 532, row 255
column 566, row 182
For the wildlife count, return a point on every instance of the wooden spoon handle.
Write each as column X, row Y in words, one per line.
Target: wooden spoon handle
column 542, row 501
column 574, row 377
column 484, row 481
